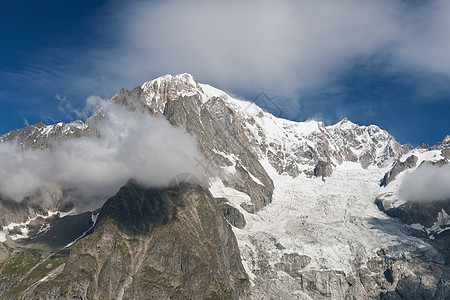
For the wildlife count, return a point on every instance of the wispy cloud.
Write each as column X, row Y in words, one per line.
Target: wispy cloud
column 282, row 47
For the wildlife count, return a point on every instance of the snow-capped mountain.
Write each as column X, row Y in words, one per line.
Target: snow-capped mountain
column 40, row 136
column 300, row 196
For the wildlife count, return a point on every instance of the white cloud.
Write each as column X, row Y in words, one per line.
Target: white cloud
column 132, row 145
column 425, row 43
column 281, row 46
column 427, row 183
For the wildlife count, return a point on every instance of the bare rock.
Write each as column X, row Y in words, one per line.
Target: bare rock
column 293, row 263
column 399, row 167
column 233, row 216
column 438, row 163
column 323, row 169
column 153, row 244
column 446, row 153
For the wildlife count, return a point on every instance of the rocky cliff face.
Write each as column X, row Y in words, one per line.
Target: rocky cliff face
column 399, row 167
column 147, row 244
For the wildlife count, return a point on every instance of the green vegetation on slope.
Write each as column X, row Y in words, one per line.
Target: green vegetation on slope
column 25, row 268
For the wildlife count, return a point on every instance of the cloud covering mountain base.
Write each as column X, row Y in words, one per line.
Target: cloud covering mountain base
column 131, row 145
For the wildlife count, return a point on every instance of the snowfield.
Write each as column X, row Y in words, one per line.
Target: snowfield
column 333, row 221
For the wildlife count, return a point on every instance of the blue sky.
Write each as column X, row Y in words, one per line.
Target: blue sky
column 381, row 62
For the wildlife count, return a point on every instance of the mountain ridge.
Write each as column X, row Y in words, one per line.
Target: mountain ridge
column 153, row 96
column 300, row 195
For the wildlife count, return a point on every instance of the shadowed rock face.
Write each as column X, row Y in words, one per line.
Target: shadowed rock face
column 217, row 128
column 427, row 214
column 446, row 153
column 153, row 244
column 13, row 212
column 424, row 212
column 233, row 216
column 137, row 210
column 54, row 233
column 323, row 169
column 18, row 212
column 439, row 163
column 399, row 167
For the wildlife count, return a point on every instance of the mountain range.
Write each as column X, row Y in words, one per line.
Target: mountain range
column 275, row 209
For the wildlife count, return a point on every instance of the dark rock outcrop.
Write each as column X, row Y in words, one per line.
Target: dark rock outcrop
column 423, row 212
column 323, row 169
column 55, row 233
column 430, row 163
column 171, row 243
column 233, row 216
column 399, row 167
column 427, row 214
column 446, row 153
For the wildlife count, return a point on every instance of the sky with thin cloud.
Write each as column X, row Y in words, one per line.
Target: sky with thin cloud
column 383, row 62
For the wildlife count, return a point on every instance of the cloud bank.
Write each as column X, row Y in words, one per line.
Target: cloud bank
column 281, row 46
column 132, row 145
column 370, row 60
column 427, row 183
column 284, row 46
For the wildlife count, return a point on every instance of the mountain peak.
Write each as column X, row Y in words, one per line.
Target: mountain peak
column 344, row 124
column 346, row 121
column 153, row 95
column 181, row 81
